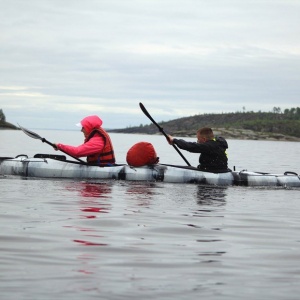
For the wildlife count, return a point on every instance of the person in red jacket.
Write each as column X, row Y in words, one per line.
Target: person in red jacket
column 97, row 146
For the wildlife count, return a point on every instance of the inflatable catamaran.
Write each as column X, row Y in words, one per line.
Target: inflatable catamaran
column 58, row 166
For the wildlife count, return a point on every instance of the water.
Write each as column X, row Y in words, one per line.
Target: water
column 129, row 240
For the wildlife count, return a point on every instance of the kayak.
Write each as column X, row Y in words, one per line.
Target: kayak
column 57, row 166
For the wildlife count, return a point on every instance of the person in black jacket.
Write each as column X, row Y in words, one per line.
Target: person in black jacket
column 213, row 157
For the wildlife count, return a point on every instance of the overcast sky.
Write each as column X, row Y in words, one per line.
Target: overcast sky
column 63, row 60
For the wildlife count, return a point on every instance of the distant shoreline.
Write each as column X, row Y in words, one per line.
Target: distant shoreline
column 233, row 134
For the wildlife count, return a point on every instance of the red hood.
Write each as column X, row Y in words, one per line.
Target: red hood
column 91, row 122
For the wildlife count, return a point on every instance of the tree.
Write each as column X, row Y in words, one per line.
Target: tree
column 2, row 116
column 276, row 110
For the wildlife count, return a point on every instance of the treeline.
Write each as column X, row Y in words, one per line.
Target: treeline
column 291, row 114
column 286, row 122
column 277, row 121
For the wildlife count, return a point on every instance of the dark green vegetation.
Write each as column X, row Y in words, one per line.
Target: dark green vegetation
column 4, row 124
column 275, row 125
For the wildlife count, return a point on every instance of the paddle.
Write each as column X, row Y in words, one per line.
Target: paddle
column 36, row 136
column 162, row 131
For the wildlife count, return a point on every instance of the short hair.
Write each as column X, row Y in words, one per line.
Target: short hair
column 206, row 132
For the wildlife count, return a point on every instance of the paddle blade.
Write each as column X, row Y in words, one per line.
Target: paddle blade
column 30, row 133
column 144, row 110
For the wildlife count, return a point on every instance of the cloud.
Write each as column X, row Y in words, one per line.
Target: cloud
column 63, row 60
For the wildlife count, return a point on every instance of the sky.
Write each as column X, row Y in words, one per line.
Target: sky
column 61, row 61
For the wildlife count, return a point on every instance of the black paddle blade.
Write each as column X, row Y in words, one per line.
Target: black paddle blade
column 162, row 131
column 144, row 110
column 30, row 133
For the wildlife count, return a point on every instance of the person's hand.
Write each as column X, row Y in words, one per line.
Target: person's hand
column 170, row 139
column 55, row 146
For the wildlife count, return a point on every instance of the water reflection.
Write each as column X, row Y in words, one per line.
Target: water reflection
column 211, row 195
column 87, row 243
column 210, row 198
column 94, row 190
column 141, row 193
column 93, row 199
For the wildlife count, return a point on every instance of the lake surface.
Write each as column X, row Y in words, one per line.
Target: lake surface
column 64, row 239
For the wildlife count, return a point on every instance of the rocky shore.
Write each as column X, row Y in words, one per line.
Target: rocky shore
column 243, row 134
column 231, row 133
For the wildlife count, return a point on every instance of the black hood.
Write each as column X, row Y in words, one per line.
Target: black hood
column 222, row 142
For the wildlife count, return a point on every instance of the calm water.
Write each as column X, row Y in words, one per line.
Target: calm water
column 63, row 239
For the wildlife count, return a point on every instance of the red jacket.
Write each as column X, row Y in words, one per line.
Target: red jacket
column 94, row 145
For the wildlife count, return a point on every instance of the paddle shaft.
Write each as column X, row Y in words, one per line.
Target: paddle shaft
column 54, row 146
column 49, row 143
column 144, row 110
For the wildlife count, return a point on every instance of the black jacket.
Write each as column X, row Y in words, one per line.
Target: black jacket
column 213, row 157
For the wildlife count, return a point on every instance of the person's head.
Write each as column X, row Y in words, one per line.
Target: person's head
column 90, row 123
column 204, row 134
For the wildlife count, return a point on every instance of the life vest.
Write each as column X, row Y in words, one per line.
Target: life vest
column 106, row 156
